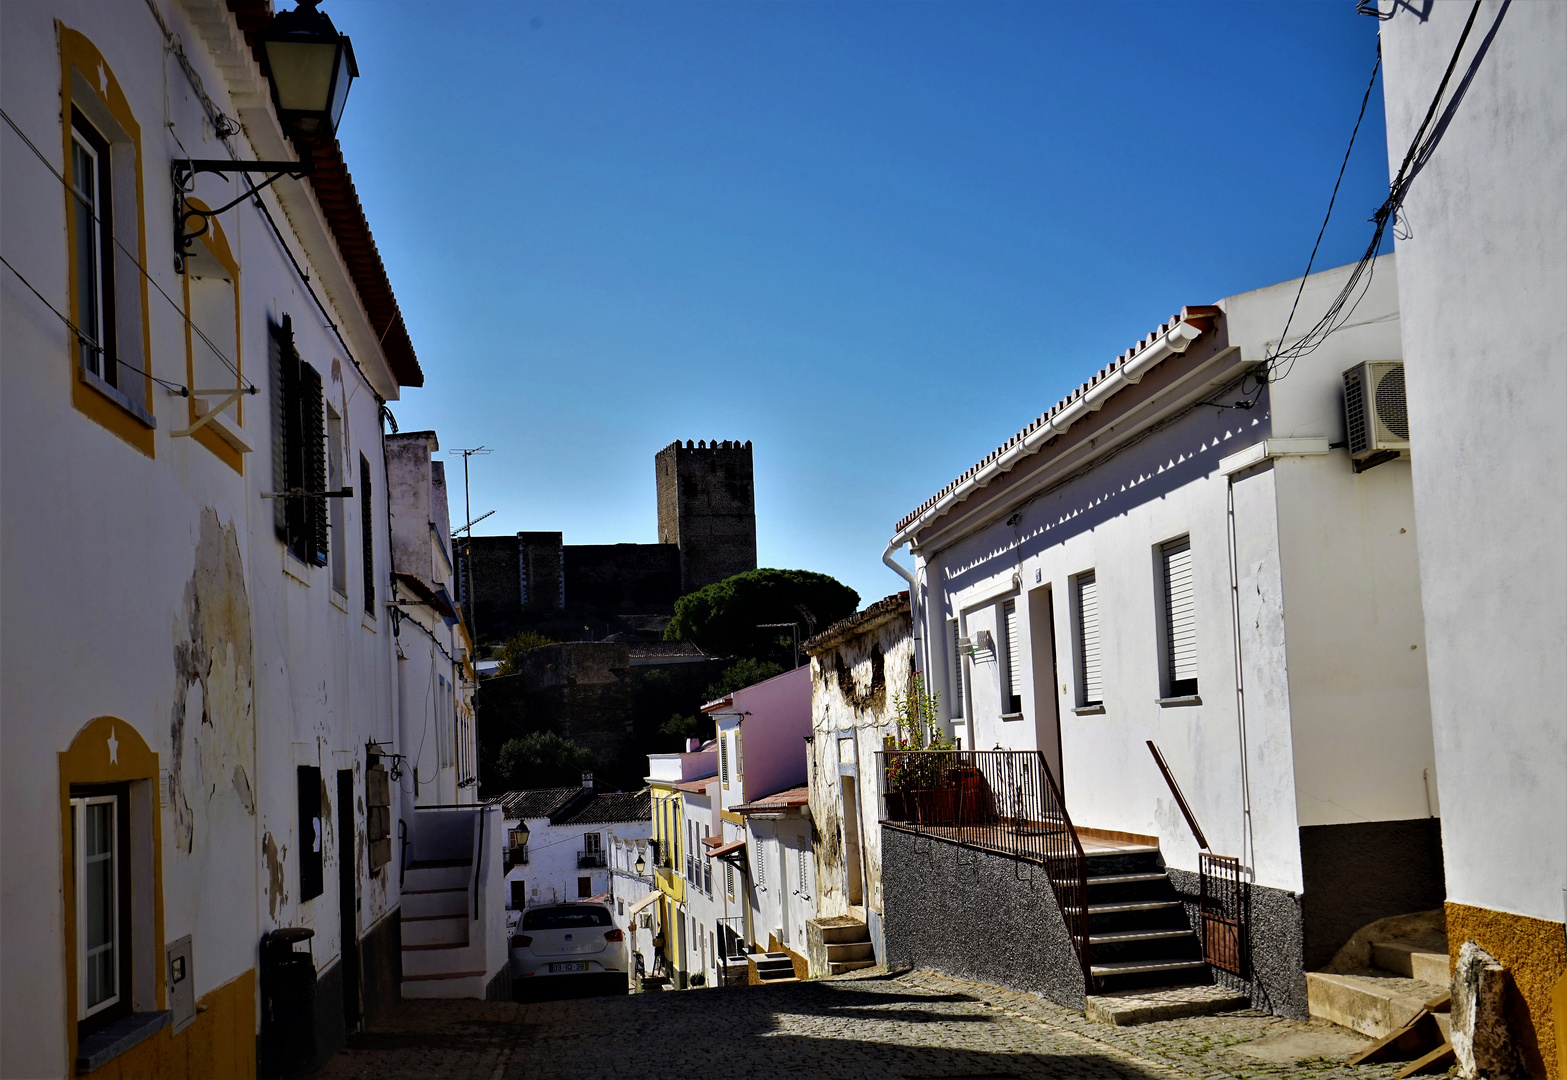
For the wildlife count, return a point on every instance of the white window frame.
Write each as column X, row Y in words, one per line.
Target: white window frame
column 1011, row 658
column 95, row 363
column 80, row 806
column 1177, row 582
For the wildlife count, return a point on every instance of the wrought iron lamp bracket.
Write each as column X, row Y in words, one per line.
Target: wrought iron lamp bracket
column 185, row 171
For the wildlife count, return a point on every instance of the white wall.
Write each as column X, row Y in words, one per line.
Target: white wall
column 1482, row 274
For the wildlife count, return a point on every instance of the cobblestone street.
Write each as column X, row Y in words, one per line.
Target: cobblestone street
column 914, row 1025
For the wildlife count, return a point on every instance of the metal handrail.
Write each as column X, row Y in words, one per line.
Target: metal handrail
column 1180, row 800
column 478, row 860
column 999, row 800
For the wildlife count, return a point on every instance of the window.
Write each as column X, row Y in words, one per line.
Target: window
column 584, row 888
column 1180, row 619
column 1090, row 681
column 311, row 878
column 761, row 866
column 955, row 705
column 212, row 345
column 723, row 759
column 445, row 729
column 519, row 895
column 592, row 842
column 804, row 871
column 729, row 880
column 335, row 508
column 367, row 534
column 620, row 908
column 298, row 450
column 99, row 843
column 94, row 254
column 739, row 758
column 1011, row 652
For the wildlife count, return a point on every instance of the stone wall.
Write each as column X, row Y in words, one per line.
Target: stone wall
column 1274, row 947
column 624, row 579
column 707, row 506
column 976, row 915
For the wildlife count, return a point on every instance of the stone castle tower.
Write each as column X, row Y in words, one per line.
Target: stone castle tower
column 707, row 507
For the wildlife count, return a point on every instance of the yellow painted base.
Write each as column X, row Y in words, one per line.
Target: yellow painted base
column 1534, row 952
column 220, row 1045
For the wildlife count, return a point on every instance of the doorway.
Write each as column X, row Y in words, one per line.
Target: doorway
column 854, row 879
column 1047, row 705
column 348, row 897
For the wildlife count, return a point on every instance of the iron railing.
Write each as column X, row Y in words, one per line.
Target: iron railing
column 1223, row 942
column 588, row 859
column 1000, row 800
column 731, row 938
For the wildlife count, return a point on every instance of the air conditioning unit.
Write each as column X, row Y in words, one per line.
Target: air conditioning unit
column 1376, row 412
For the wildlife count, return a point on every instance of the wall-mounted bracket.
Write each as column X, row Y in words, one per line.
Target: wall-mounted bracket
column 301, row 493
column 184, row 172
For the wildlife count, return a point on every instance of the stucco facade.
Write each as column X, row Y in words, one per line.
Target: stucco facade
column 165, row 646
column 1482, row 271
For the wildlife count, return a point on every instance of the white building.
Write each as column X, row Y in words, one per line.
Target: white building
column 860, row 666
column 206, row 670
column 769, row 865
column 1482, row 272
column 680, row 919
column 1182, row 552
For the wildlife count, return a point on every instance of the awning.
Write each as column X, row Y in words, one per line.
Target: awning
column 724, row 849
column 636, row 908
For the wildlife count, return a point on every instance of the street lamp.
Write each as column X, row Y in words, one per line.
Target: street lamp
column 641, row 864
column 311, row 65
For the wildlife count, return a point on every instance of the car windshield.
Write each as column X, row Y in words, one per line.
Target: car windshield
column 565, row 918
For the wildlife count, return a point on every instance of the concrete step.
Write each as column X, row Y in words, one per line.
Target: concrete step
column 1136, row 915
column 1127, row 1007
column 1372, row 1004
column 436, row 930
column 1128, row 860
column 454, row 984
column 844, row 931
column 439, row 902
column 444, row 875
column 1174, row 943
column 838, row 967
column 852, row 950
column 440, row 960
column 1413, row 961
column 1145, row 886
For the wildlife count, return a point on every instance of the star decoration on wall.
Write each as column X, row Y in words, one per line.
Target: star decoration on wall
column 114, row 747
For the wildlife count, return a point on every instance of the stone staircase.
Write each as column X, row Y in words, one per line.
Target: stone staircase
column 440, row 959
column 849, row 946
column 1403, row 977
column 773, row 967
column 1139, row 937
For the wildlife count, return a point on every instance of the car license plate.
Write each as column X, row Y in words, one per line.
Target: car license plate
column 580, row 965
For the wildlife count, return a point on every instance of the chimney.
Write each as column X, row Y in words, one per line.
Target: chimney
column 587, row 781
column 693, row 745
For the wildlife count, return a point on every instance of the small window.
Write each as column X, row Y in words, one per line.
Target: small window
column 367, row 534
column 955, row 704
column 723, row 759
column 1180, row 619
column 99, row 844
column 739, row 758
column 1090, row 679
column 584, row 888
column 804, row 873
column 94, row 255
column 335, row 509
column 1011, row 652
column 761, row 866
column 298, row 450
column 311, row 877
column 729, row 880
column 592, row 842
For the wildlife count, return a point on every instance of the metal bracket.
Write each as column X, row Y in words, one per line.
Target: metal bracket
column 184, row 172
column 212, row 413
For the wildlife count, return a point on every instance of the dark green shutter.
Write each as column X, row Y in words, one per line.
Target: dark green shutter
column 366, row 525
column 312, row 428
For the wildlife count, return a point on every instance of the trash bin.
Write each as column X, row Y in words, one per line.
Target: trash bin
column 288, row 1001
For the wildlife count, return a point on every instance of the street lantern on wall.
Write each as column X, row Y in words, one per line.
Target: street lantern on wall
column 641, row 864
column 311, row 66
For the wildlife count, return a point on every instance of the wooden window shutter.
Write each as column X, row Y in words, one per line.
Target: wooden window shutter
column 378, row 817
column 284, row 365
column 367, row 532
column 1090, row 678
column 312, row 428
column 1180, row 618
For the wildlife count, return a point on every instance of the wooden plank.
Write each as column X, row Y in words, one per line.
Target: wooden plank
column 1414, row 1039
column 1437, row 1061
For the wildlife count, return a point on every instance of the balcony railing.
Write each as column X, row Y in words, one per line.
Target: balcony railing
column 588, row 859
column 1001, row 800
column 517, row 855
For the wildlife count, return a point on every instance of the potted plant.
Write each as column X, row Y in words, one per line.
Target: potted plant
column 916, row 788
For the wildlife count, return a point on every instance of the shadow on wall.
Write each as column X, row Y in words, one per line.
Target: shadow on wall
column 1189, row 449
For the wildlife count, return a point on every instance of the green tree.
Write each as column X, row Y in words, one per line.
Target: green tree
column 512, row 651
column 723, row 618
column 541, row 759
column 740, row 674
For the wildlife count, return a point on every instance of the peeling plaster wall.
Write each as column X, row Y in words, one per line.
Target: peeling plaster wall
column 853, row 685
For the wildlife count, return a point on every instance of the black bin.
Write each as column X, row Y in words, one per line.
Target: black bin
column 288, row 1002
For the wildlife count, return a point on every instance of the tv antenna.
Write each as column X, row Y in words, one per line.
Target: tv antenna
column 467, row 513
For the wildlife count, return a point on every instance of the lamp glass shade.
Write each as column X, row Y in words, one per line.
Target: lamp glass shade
column 519, row 835
column 641, row 864
column 311, row 67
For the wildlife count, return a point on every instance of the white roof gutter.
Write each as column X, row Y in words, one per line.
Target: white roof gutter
column 1176, row 340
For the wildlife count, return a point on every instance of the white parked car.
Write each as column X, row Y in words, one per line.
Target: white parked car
column 579, row 940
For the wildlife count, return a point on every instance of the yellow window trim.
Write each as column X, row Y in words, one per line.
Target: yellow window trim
column 93, row 759
column 217, row 245
column 81, row 55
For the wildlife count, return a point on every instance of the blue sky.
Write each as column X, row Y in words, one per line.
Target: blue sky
column 874, row 239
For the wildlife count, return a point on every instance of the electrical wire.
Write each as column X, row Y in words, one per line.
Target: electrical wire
column 134, row 260
column 80, row 336
column 1420, row 148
